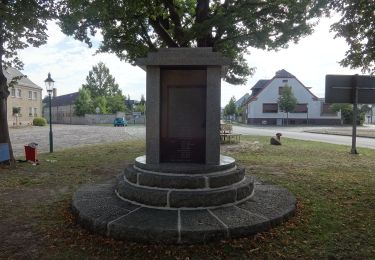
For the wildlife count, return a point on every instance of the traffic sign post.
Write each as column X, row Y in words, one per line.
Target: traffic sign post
column 353, row 89
column 355, row 115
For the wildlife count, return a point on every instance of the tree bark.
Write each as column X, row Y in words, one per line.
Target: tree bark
column 204, row 38
column 4, row 93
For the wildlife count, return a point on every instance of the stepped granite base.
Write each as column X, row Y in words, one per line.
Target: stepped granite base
column 150, row 205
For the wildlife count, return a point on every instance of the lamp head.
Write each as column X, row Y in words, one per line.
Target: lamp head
column 49, row 83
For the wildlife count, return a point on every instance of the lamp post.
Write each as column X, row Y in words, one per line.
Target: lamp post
column 49, row 86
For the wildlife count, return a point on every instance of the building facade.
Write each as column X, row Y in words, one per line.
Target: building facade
column 262, row 105
column 62, row 108
column 25, row 100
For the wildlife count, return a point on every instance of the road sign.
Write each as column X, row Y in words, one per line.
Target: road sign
column 341, row 88
column 352, row 89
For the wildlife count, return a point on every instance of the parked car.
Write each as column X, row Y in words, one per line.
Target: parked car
column 120, row 122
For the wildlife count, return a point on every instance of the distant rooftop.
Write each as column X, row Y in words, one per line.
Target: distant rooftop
column 261, row 84
column 64, row 100
column 10, row 73
column 283, row 74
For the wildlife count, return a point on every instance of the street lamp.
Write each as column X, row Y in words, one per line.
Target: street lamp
column 49, row 86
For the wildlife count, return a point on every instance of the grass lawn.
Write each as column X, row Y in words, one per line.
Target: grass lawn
column 335, row 216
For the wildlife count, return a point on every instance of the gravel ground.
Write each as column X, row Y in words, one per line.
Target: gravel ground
column 65, row 136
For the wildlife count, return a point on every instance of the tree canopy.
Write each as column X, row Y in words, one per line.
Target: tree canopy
column 133, row 28
column 357, row 27
column 101, row 83
column 22, row 24
column 83, row 103
column 287, row 101
column 230, row 109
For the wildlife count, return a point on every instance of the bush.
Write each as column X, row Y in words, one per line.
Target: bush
column 39, row 121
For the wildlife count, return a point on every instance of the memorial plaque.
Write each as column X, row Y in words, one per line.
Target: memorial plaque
column 183, row 116
column 340, row 89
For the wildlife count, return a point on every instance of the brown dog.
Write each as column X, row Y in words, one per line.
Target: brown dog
column 276, row 140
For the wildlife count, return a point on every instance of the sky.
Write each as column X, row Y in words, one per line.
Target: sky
column 69, row 62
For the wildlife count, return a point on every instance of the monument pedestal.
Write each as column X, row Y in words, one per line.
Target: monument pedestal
column 183, row 190
column 171, row 203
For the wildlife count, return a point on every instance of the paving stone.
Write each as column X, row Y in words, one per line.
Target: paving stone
column 176, row 181
column 240, row 222
column 130, row 173
column 94, row 191
column 227, row 178
column 195, row 199
column 199, row 226
column 147, row 225
column 246, row 189
column 94, row 214
column 143, row 195
column 275, row 203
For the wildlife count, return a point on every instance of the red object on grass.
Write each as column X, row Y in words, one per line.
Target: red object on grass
column 30, row 153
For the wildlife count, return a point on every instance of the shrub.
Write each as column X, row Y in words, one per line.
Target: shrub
column 39, row 121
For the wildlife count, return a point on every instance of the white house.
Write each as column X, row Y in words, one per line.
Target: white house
column 262, row 107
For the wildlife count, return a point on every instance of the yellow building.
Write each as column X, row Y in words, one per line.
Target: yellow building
column 25, row 100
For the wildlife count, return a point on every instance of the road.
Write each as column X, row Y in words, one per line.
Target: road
column 297, row 133
column 65, row 136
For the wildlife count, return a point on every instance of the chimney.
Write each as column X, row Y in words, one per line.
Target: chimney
column 54, row 92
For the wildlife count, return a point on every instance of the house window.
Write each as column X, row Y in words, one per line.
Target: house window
column 34, row 95
column 326, row 110
column 30, row 111
column 35, row 111
column 13, row 92
column 281, row 90
column 270, row 107
column 300, row 108
column 19, row 93
column 285, row 81
column 30, row 94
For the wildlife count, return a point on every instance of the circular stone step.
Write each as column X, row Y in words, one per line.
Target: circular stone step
column 184, row 198
column 99, row 209
column 142, row 177
column 225, row 163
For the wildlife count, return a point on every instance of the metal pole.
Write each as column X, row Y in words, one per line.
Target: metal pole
column 50, row 125
column 355, row 112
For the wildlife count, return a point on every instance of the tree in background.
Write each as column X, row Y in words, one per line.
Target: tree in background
column 133, row 28
column 83, row 103
column 230, row 109
column 115, row 104
column 143, row 100
column 22, row 24
column 287, row 101
column 104, row 90
column 357, row 27
column 101, row 103
column 347, row 113
column 101, row 83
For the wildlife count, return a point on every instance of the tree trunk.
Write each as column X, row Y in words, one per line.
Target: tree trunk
column 287, row 118
column 204, row 37
column 4, row 93
column 4, row 130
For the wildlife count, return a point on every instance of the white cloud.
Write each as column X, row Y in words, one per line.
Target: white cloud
column 309, row 60
column 69, row 62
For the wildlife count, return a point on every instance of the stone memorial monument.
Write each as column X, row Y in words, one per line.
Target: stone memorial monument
column 182, row 190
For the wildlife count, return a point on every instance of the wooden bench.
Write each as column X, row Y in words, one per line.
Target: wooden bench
column 226, row 134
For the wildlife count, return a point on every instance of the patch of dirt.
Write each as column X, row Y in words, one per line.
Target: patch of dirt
column 242, row 147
